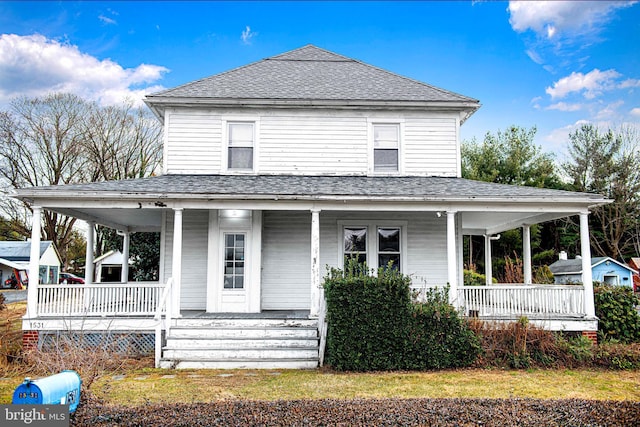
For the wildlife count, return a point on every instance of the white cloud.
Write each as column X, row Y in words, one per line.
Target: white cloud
column 629, row 83
column 609, row 111
column 563, row 106
column 36, row 66
column 590, row 84
column 548, row 18
column 247, row 35
column 635, row 112
column 107, row 20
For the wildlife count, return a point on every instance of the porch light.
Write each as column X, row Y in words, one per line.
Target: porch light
column 235, row 213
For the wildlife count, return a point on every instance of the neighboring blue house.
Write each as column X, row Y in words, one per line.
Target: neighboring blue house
column 604, row 269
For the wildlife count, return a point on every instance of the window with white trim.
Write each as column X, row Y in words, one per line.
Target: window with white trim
column 389, row 247
column 379, row 250
column 355, row 243
column 386, row 147
column 241, row 136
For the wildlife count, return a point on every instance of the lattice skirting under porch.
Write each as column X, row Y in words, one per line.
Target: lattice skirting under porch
column 122, row 343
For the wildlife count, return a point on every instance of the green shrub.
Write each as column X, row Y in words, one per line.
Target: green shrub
column 471, row 278
column 440, row 337
column 374, row 325
column 616, row 309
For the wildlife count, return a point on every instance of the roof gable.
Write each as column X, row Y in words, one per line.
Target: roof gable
column 574, row 266
column 306, row 74
column 20, row 250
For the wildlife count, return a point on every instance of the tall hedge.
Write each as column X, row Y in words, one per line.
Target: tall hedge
column 616, row 310
column 374, row 325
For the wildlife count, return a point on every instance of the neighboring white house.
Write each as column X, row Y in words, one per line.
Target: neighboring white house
column 108, row 267
column 273, row 171
column 15, row 256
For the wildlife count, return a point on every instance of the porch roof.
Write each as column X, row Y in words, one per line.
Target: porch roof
column 494, row 206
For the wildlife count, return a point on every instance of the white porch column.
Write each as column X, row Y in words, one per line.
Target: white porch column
column 587, row 278
column 34, row 264
column 176, row 265
column 124, row 276
column 315, row 263
column 452, row 270
column 488, row 266
column 89, row 276
column 526, row 254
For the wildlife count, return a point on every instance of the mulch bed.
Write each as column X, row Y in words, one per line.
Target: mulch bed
column 367, row 412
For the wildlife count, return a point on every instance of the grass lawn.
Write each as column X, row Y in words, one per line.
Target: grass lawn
column 188, row 386
column 139, row 386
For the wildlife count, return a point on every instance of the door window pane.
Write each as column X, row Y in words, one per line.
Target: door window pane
column 234, row 261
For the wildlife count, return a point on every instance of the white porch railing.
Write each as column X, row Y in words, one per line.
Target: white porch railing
column 165, row 307
column 99, row 299
column 322, row 326
column 522, row 300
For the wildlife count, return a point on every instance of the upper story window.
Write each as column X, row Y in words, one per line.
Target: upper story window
column 241, row 145
column 386, row 147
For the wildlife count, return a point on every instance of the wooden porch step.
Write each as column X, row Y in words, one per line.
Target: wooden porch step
column 203, row 322
column 258, row 353
column 243, row 332
column 240, row 364
column 238, row 342
column 242, row 342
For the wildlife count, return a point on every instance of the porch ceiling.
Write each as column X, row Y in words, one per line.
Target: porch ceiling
column 479, row 223
column 120, row 219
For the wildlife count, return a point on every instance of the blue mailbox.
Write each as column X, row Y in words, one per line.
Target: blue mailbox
column 59, row 389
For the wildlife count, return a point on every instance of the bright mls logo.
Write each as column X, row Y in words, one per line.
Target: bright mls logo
column 34, row 415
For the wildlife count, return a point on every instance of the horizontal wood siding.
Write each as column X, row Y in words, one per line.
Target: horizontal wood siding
column 426, row 242
column 286, row 260
column 194, row 142
column 286, row 251
column 194, row 257
column 311, row 144
column 430, row 146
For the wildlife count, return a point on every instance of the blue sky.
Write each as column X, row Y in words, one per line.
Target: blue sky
column 553, row 65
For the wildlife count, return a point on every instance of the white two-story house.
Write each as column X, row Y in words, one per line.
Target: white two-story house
column 275, row 170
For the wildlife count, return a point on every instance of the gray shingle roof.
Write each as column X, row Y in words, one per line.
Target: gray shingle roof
column 568, row 266
column 294, row 186
column 20, row 251
column 310, row 73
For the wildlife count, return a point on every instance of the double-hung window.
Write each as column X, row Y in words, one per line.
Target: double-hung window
column 355, row 244
column 241, row 136
column 383, row 248
column 386, row 147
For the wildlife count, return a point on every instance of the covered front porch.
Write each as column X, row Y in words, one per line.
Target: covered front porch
column 258, row 244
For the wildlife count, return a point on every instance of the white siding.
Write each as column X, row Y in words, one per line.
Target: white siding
column 430, row 146
column 310, row 142
column 194, row 140
column 286, row 260
column 286, row 251
column 195, row 225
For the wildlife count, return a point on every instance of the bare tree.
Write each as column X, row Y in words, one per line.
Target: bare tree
column 63, row 139
column 123, row 142
column 608, row 163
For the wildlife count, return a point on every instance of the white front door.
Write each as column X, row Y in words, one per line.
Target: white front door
column 235, row 272
column 234, row 261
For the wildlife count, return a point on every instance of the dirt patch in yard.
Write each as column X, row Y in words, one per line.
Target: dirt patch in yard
column 367, row 412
